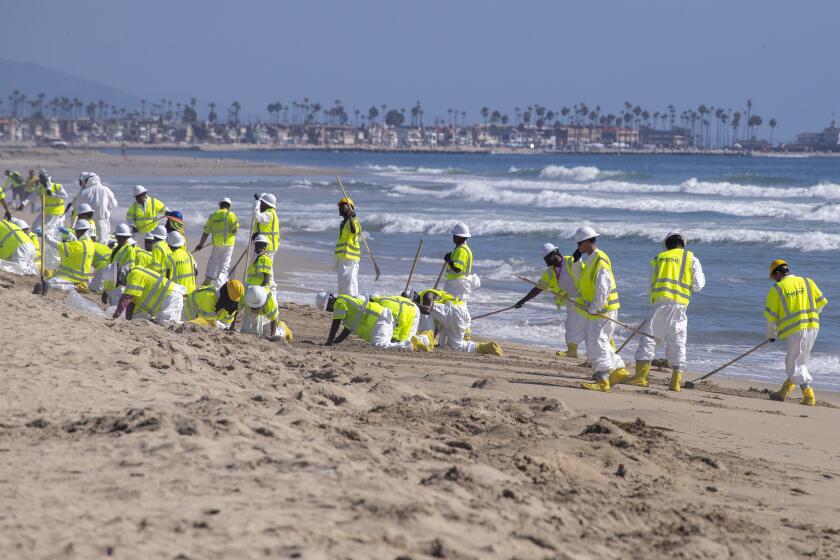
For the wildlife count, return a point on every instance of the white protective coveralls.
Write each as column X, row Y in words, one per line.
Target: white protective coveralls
column 102, row 200
column 383, row 332
column 462, row 288
column 454, row 321
column 51, row 257
column 171, row 307
column 598, row 332
column 668, row 321
column 575, row 323
column 348, row 277
column 799, row 345
column 22, row 260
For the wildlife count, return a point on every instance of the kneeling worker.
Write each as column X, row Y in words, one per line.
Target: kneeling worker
column 406, row 321
column 792, row 310
column 453, row 319
column 366, row 319
column 16, row 246
column 75, row 267
column 261, row 316
column 214, row 307
column 150, row 293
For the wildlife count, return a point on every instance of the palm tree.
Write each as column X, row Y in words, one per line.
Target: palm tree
column 772, row 122
column 484, row 113
column 372, row 113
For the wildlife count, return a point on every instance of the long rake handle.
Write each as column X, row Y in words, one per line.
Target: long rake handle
column 729, row 363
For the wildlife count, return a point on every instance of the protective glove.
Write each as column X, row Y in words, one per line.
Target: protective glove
column 772, row 339
column 577, row 254
column 518, row 304
column 448, row 257
column 64, row 230
column 104, row 298
column 8, row 215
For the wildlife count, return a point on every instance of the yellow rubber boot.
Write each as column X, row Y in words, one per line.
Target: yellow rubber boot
column 618, row 375
column 570, row 352
column 641, row 377
column 489, row 348
column 782, row 394
column 676, row 381
column 602, row 385
column 808, row 397
column 287, row 332
column 468, row 335
column 419, row 344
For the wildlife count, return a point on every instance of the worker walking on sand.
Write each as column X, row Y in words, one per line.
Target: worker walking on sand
column 675, row 274
column 16, row 247
column 145, row 211
column 180, row 264
column 214, row 307
column 76, row 265
column 160, row 250
column 367, row 320
column 148, row 295
column 267, row 223
column 122, row 255
column 54, row 197
column 221, row 228
column 460, row 280
column 453, row 319
column 792, row 310
column 598, row 295
column 261, row 315
column 406, row 321
column 348, row 252
column 562, row 279
column 101, row 200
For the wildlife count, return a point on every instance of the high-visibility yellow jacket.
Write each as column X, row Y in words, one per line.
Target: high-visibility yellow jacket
column 53, row 203
column 143, row 258
column 404, row 312
column 357, row 314
column 672, row 278
column 160, row 252
column 269, row 309
column 260, row 271
column 101, row 256
column 148, row 288
column 11, row 237
column 271, row 230
column 76, row 264
column 181, row 269
column 347, row 247
column 200, row 307
column 144, row 218
column 794, row 304
column 548, row 281
column 37, row 242
column 461, row 257
column 442, row 296
column 121, row 256
column 599, row 261
column 221, row 226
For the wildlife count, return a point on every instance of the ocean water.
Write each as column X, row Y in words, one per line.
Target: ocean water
column 739, row 214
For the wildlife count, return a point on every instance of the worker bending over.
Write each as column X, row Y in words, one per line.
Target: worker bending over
column 367, row 320
column 453, row 319
column 76, row 258
column 348, row 252
column 16, row 247
column 261, row 315
column 214, row 307
column 122, row 255
column 792, row 310
column 406, row 321
column 148, row 294
column 160, row 250
column 221, row 228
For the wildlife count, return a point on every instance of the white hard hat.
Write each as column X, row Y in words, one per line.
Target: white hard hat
column 584, row 233
column 159, row 232
column 139, row 189
column 149, row 236
column 84, row 208
column 461, row 230
column 122, row 230
column 255, row 296
column 20, row 223
column 226, row 200
column 174, row 239
column 675, row 233
column 321, row 300
column 83, row 177
column 261, row 239
column 269, row 199
column 547, row 249
column 81, row 225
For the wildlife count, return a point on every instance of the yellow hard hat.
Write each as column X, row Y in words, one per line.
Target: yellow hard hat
column 347, row 200
column 776, row 264
column 235, row 289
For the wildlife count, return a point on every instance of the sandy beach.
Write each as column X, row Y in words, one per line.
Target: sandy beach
column 133, row 440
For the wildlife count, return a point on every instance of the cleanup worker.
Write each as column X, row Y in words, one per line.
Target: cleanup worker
column 174, row 222
column 100, row 199
column 85, row 212
column 460, row 280
column 54, row 196
column 149, row 295
column 792, row 310
column 214, row 307
column 221, row 228
column 367, row 320
column 348, row 252
column 14, row 187
column 267, row 223
column 123, row 254
column 31, row 184
column 675, row 274
column 406, row 321
column 260, row 272
column 145, row 211
column 101, row 262
column 180, row 264
column 598, row 295
column 261, row 315
column 160, row 250
column 16, row 247
column 453, row 319
column 76, row 265
column 562, row 279
column 33, row 236
column 143, row 257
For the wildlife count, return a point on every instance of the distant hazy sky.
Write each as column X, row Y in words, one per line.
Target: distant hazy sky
column 464, row 54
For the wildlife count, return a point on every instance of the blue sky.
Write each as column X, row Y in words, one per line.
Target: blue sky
column 460, row 54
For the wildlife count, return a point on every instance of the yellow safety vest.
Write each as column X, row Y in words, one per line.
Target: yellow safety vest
column 599, row 261
column 160, row 252
column 143, row 258
column 11, row 237
column 358, row 314
column 462, row 258
column 794, row 304
column 53, row 205
column 672, row 276
column 76, row 260
column 200, row 307
column 37, row 242
column 101, row 256
column 269, row 309
column 145, row 217
column 256, row 270
column 347, row 247
column 180, row 265
column 148, row 288
column 123, row 255
column 549, row 281
column 442, row 296
column 271, row 230
column 221, row 226
column 403, row 310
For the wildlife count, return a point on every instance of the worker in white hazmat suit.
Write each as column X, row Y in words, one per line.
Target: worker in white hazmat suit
column 460, row 280
column 453, row 319
column 261, row 315
column 17, row 251
column 367, row 320
column 406, row 321
column 675, row 274
column 561, row 280
column 792, row 310
column 54, row 196
column 101, row 199
column 598, row 297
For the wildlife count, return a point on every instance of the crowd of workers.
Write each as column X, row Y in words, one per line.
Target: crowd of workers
column 160, row 281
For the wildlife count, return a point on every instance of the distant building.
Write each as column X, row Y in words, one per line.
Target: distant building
column 674, row 138
column 827, row 140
